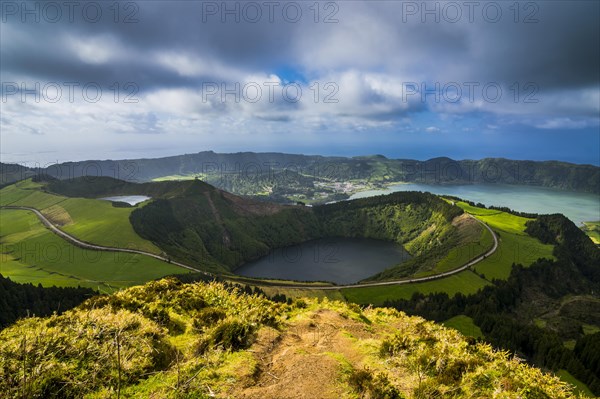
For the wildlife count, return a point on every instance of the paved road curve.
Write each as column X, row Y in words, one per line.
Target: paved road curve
column 86, row 245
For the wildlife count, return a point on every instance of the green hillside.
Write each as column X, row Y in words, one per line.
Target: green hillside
column 197, row 224
column 592, row 229
column 170, row 340
column 546, row 312
column 219, row 231
column 30, row 253
column 91, row 220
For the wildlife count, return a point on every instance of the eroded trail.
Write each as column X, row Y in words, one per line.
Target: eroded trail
column 307, row 360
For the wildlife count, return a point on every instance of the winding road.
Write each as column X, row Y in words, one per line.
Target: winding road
column 86, row 245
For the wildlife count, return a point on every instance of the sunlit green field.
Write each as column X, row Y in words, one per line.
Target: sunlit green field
column 90, row 220
column 465, row 282
column 465, row 325
column 592, row 229
column 178, row 177
column 497, row 219
column 515, row 246
column 30, row 253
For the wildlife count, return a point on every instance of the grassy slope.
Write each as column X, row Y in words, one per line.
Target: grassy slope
column 112, row 228
column 201, row 341
column 31, row 253
column 90, row 220
column 497, row 219
column 463, row 253
column 465, row 282
column 515, row 245
column 592, row 229
column 176, row 177
column 465, row 325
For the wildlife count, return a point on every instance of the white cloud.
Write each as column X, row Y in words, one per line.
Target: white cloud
column 563, row 123
column 196, row 65
column 99, row 49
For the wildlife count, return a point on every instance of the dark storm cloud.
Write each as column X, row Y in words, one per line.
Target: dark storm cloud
column 38, row 49
column 554, row 43
column 559, row 51
column 171, row 50
column 59, row 66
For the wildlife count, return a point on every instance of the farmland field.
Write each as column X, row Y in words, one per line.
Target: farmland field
column 30, row 253
column 513, row 248
column 90, row 220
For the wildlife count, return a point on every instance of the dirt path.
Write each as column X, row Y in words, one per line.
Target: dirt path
column 307, row 360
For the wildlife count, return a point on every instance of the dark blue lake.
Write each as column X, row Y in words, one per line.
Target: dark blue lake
column 339, row 260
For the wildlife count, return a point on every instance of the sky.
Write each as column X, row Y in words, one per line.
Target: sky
column 113, row 80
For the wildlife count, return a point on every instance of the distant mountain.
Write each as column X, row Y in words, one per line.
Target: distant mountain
column 279, row 175
column 10, row 173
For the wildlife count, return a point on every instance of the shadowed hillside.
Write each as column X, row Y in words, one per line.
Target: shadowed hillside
column 208, row 226
column 197, row 223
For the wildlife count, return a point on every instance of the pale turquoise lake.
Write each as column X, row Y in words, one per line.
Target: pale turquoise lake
column 130, row 199
column 579, row 207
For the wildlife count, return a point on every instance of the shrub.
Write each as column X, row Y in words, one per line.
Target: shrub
column 373, row 387
column 230, row 335
column 208, row 317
